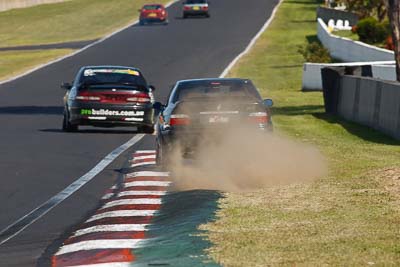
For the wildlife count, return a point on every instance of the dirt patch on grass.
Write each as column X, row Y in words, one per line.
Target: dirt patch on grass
column 390, row 178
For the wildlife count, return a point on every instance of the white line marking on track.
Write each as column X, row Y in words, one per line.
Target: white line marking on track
column 122, row 213
column 252, row 42
column 18, row 226
column 111, row 228
column 108, row 264
column 141, row 193
column 148, row 173
column 144, row 157
column 143, row 164
column 99, row 244
column 144, row 151
column 137, row 201
column 147, row 183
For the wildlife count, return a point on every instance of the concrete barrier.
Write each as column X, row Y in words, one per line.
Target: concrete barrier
column 347, row 97
column 327, row 14
column 368, row 101
column 312, row 80
column 11, row 4
column 389, row 110
column 347, row 50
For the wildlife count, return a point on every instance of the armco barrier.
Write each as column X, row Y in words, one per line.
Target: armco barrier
column 312, row 80
column 368, row 101
column 10, row 4
column 347, row 50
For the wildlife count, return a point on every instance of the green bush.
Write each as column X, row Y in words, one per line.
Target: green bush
column 314, row 52
column 371, row 31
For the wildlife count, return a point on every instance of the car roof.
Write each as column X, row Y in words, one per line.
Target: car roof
column 110, row 67
column 211, row 80
column 155, row 4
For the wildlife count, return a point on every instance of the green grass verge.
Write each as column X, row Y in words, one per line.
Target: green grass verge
column 13, row 63
column 351, row 217
column 74, row 20
column 68, row 21
column 347, row 34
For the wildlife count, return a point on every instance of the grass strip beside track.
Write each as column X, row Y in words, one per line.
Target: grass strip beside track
column 75, row 20
column 68, row 21
column 15, row 62
column 349, row 218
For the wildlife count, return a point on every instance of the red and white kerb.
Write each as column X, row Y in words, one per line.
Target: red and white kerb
column 109, row 237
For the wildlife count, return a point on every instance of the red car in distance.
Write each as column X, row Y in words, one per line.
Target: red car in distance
column 153, row 13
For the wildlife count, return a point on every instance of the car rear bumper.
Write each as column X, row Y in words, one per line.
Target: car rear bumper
column 153, row 19
column 111, row 115
column 195, row 12
column 190, row 139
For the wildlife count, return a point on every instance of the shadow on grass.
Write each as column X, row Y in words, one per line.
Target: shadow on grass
column 298, row 110
column 174, row 238
column 312, row 38
column 364, row 132
column 304, row 21
column 361, row 131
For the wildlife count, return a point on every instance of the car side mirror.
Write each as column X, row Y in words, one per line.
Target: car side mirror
column 158, row 106
column 268, row 102
column 66, row 86
column 152, row 88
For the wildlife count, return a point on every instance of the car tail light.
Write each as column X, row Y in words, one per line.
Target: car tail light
column 186, row 8
column 205, row 7
column 258, row 117
column 87, row 96
column 139, row 98
column 179, row 119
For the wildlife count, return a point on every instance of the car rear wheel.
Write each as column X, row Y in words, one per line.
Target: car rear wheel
column 160, row 156
column 185, row 16
column 141, row 22
column 67, row 126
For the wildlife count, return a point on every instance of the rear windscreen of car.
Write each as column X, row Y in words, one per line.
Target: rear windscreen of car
column 190, row 2
column 152, row 7
column 215, row 89
column 92, row 77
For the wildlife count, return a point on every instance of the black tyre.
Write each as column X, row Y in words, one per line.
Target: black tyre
column 185, row 16
column 160, row 156
column 141, row 22
column 67, row 126
column 146, row 129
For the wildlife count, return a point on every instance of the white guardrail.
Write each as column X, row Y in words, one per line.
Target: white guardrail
column 10, row 4
column 347, row 50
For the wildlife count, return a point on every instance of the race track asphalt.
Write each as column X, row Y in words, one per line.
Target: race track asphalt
column 37, row 160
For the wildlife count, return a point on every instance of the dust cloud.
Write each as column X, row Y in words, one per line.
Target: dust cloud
column 245, row 160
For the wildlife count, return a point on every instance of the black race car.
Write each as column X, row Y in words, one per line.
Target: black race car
column 208, row 105
column 107, row 96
